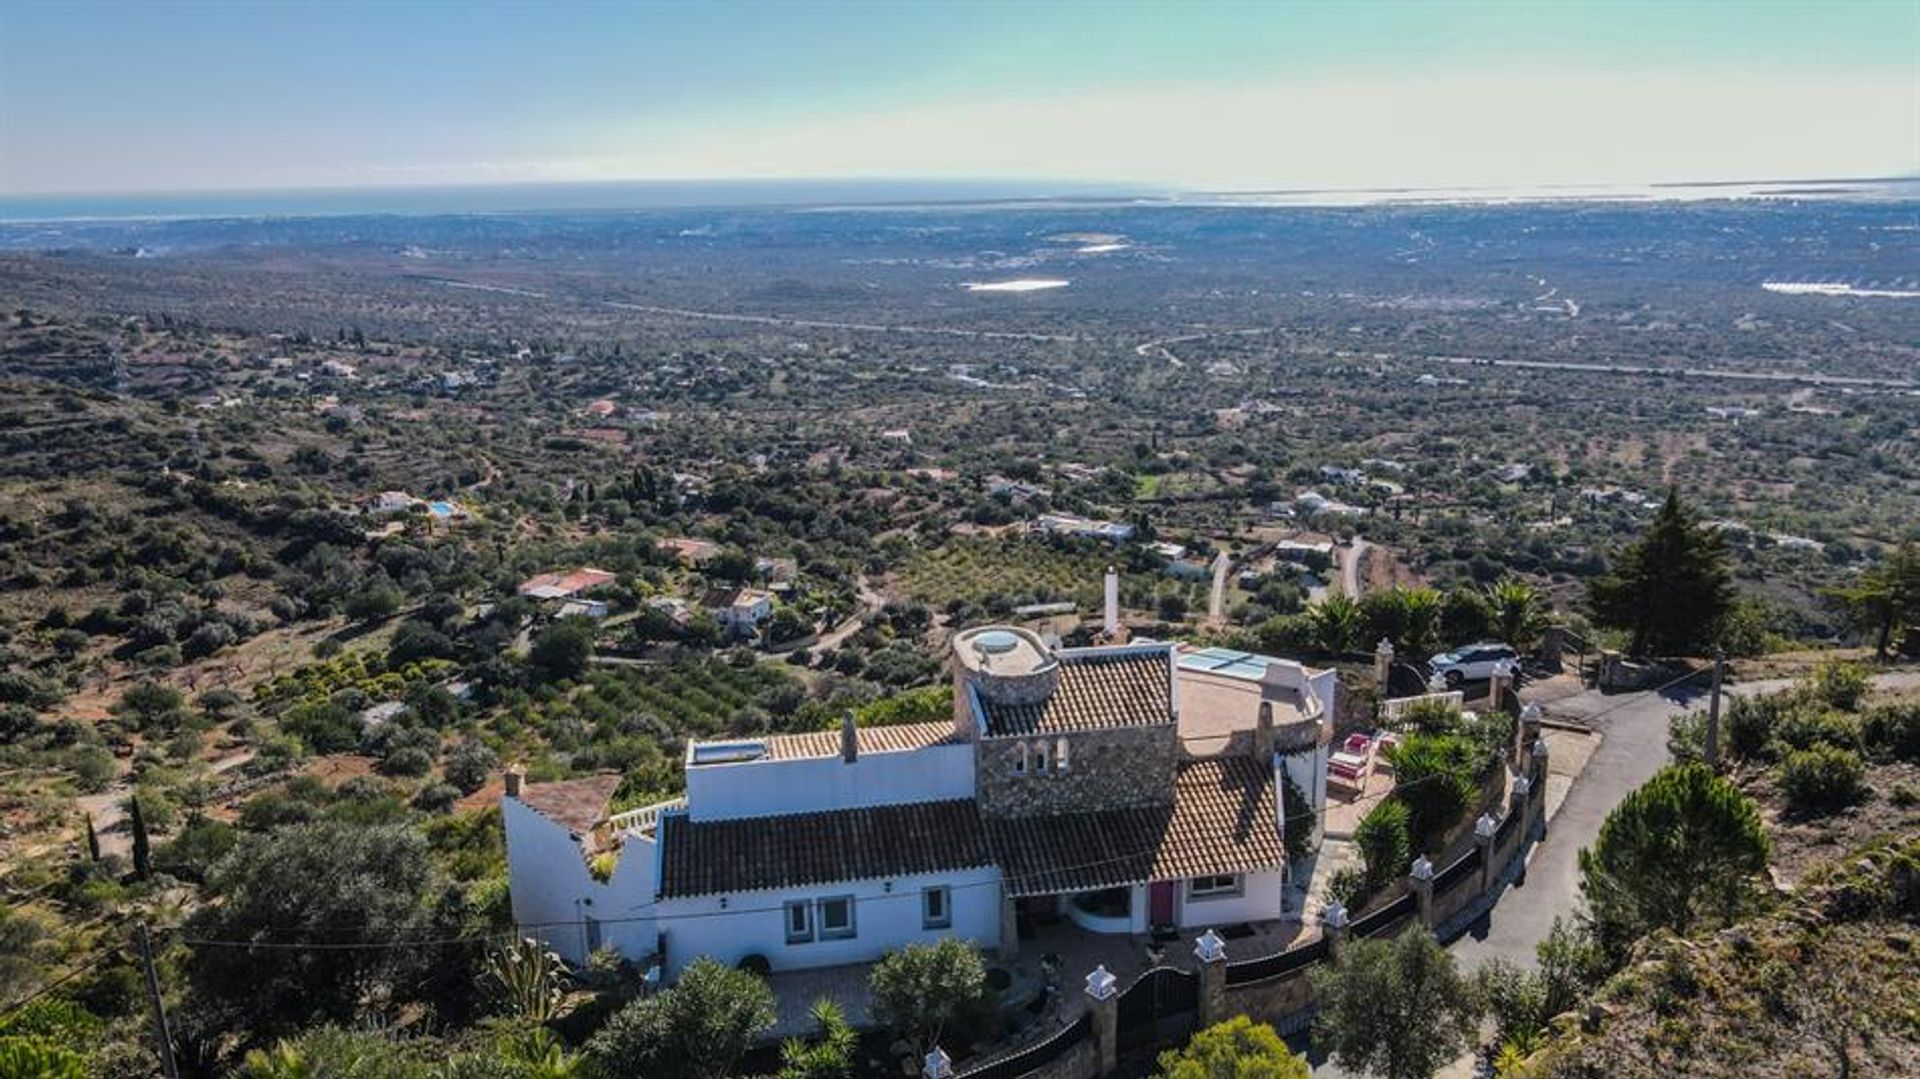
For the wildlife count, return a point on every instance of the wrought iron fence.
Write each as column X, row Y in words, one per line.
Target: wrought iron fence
column 1035, row 1056
column 1462, row 868
column 1277, row 965
column 1385, row 918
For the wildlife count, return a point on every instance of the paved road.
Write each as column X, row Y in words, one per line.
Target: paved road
column 1634, row 747
column 1349, row 559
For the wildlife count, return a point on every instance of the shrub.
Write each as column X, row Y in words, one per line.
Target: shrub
column 756, row 964
column 696, row 1030
column 1839, row 685
column 1808, row 728
column 1893, row 731
column 1822, row 779
column 1751, row 722
column 1384, row 842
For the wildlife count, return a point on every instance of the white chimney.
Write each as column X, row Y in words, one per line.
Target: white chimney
column 1113, row 601
column 514, row 777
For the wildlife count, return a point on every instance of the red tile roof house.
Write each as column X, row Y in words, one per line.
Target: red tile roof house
column 1119, row 788
column 560, row 586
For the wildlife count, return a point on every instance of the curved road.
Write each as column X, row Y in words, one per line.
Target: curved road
column 1633, row 749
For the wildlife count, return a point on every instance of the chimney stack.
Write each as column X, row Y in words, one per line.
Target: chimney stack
column 514, row 777
column 1263, row 735
column 849, row 739
column 1113, row 601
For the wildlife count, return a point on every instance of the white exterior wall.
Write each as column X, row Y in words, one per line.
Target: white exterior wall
column 754, row 923
column 766, row 788
column 1259, row 900
column 553, row 893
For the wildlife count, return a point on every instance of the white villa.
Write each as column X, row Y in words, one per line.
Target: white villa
column 1121, row 788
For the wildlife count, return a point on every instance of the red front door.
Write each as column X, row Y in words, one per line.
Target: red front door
column 1160, row 902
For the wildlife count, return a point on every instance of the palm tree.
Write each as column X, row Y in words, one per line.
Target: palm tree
column 1518, row 612
column 1335, row 622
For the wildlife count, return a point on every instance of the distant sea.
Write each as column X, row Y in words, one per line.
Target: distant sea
column 855, row 194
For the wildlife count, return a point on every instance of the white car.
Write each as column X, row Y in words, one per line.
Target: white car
column 1474, row 663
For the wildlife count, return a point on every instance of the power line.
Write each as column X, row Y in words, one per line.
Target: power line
column 12, row 1009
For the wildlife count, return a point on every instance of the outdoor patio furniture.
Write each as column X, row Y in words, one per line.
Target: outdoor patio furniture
column 1350, row 762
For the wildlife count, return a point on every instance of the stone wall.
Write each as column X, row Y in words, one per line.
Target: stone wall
column 1106, row 769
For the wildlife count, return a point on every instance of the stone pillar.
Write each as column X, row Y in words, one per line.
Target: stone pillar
column 1211, row 951
column 1497, row 691
column 1525, row 732
column 1537, row 789
column 1483, row 830
column 1383, row 664
column 1009, row 926
column 1104, row 988
column 1333, row 926
column 1521, row 802
column 513, row 778
column 937, row 1065
column 1420, row 878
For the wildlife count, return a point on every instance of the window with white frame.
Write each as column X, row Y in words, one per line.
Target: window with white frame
column 936, row 908
column 1060, row 756
column 1214, row 886
column 836, row 918
column 799, row 922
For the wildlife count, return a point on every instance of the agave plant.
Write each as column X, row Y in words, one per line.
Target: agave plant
column 524, row 979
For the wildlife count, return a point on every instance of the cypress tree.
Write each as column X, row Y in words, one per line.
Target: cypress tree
column 142, row 853
column 93, row 841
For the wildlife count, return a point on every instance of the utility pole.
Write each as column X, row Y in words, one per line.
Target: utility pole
column 1713, row 711
column 143, row 939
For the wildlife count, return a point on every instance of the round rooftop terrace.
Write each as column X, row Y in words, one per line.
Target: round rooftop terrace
column 1002, row 651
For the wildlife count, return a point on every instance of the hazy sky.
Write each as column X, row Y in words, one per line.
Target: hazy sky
column 169, row 96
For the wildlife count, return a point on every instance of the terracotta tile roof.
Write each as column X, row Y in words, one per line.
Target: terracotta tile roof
column 812, row 744
column 1222, row 820
column 798, row 849
column 1130, row 689
column 577, row 803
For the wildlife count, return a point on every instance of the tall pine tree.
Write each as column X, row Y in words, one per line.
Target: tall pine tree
column 1672, row 588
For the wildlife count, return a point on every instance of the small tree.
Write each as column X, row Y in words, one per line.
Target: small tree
column 561, row 651
column 93, row 841
column 1684, row 851
column 1885, row 598
column 1236, row 1049
column 697, row 1030
column 1394, row 1008
column 923, row 989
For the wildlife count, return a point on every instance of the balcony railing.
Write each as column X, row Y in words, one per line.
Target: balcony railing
column 644, row 819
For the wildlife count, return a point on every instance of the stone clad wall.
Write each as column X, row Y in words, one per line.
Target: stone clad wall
column 1106, row 769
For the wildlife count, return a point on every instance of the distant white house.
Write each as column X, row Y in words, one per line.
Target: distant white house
column 1063, row 524
column 739, row 610
column 1118, row 788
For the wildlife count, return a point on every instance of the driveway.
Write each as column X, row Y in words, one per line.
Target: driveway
column 1634, row 747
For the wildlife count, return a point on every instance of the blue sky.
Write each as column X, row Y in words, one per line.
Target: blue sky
column 171, row 96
